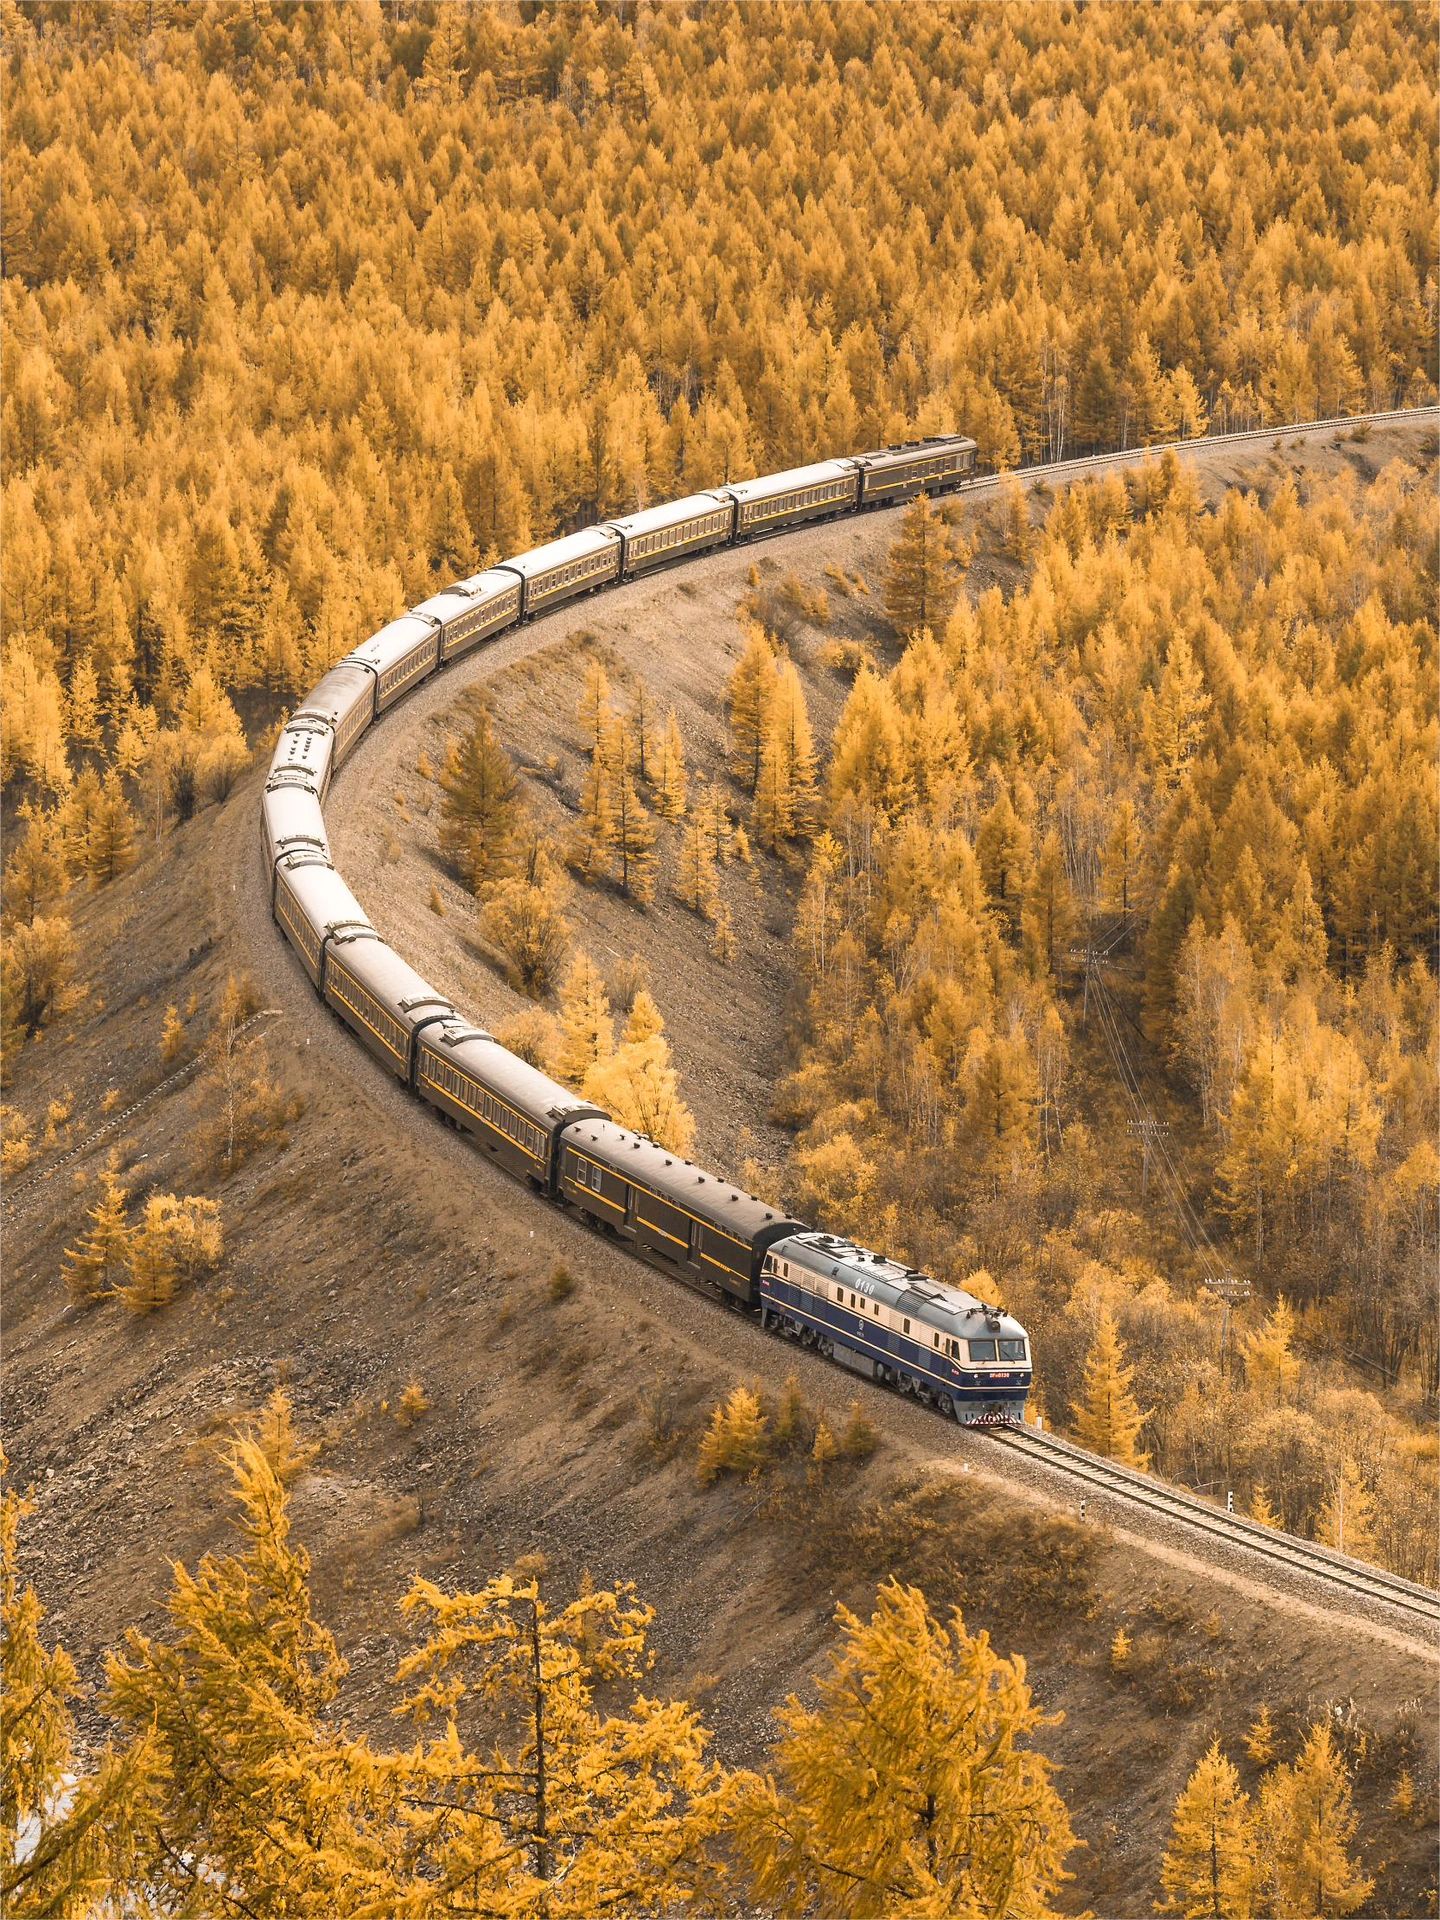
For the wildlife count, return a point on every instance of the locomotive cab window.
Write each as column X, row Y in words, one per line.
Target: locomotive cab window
column 982, row 1350
column 1012, row 1349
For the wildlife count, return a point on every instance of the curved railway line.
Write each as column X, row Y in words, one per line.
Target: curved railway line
column 1136, row 1489
column 1058, row 1457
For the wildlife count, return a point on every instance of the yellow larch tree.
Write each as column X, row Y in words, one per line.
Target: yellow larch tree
column 1260, row 1740
column 595, row 712
column 1047, row 911
column 246, row 1780
column 1308, row 1822
column 696, row 884
column 480, row 809
column 637, row 1084
column 97, row 1263
column 587, row 1031
column 35, row 871
column 1346, row 1520
column 1272, row 1368
column 1210, row 1870
column 1175, row 714
column 785, row 794
column 562, row 1809
column 174, row 1243
column 911, row 1786
column 712, row 814
column 667, row 776
column 524, row 919
column 752, row 687
column 1107, row 1416
column 1121, row 867
column 72, row 1840
column 632, row 835
column 1261, row 1509
column 925, row 571
column 869, row 768
column 737, row 1438
column 110, row 838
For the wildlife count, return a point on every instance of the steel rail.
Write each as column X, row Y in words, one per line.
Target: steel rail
column 1079, row 462
column 1139, row 1489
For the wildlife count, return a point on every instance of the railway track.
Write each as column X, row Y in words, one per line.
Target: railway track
column 1280, row 1549
column 17, row 1204
column 1299, row 429
column 1087, row 1470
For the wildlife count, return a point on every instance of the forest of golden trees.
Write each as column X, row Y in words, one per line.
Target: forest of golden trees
column 310, row 309
column 545, row 1779
column 1155, row 834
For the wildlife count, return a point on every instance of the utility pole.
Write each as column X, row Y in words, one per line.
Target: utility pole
column 1091, row 957
column 1147, row 1132
column 1231, row 1290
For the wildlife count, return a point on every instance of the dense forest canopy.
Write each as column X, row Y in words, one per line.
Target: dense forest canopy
column 308, row 309
column 1152, row 839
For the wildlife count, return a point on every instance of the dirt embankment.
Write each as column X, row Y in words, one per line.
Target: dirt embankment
column 377, row 1248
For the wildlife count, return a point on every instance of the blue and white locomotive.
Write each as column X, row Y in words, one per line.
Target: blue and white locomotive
column 967, row 1359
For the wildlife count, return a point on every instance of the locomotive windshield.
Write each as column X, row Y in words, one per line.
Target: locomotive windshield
column 982, row 1351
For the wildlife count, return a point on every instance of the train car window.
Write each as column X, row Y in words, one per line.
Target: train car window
column 877, row 1309
column 982, row 1349
column 907, row 1326
column 1012, row 1349
column 936, row 1340
column 840, row 1295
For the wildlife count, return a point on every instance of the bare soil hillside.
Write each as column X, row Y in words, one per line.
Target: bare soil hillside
column 375, row 1249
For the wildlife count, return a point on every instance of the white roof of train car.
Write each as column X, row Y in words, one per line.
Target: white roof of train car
column 559, row 553
column 769, row 484
column 458, row 598
column 670, row 514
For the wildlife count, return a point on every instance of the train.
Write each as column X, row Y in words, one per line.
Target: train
column 965, row 1357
